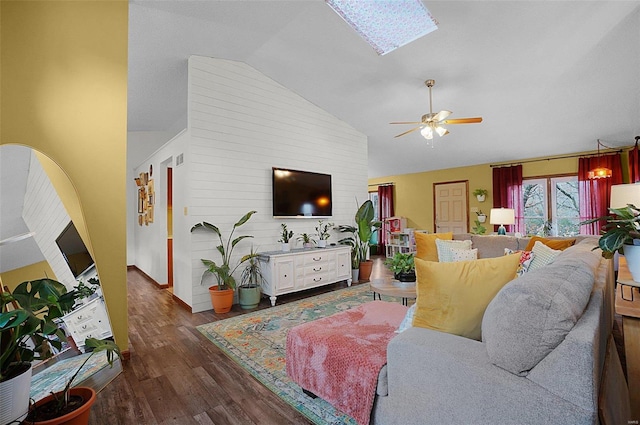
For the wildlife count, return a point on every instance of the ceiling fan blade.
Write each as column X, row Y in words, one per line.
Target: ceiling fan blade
column 441, row 115
column 463, row 120
column 407, row 122
column 408, row 131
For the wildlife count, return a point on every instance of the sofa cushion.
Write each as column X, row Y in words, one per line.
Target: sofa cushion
column 554, row 243
column 531, row 315
column 426, row 244
column 463, row 254
column 526, row 257
column 452, row 297
column 542, row 255
column 445, row 247
column 407, row 322
column 490, row 246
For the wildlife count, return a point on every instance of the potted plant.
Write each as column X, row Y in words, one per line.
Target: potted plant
column 285, row 238
column 621, row 233
column 403, row 267
column 480, row 194
column 27, row 332
column 361, row 234
column 307, row 240
column 478, row 229
column 72, row 405
column 249, row 290
column 222, row 293
column 482, row 217
column 322, row 230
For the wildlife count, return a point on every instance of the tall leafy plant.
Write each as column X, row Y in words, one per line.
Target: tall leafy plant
column 366, row 227
column 27, row 326
column 361, row 233
column 224, row 270
column 621, row 228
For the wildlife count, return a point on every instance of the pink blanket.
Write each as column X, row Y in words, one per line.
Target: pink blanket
column 339, row 357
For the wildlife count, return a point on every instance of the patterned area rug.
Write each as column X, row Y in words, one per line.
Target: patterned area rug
column 257, row 342
column 55, row 377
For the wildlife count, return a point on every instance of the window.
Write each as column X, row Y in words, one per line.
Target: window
column 551, row 206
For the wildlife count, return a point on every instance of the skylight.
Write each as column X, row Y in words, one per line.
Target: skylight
column 386, row 24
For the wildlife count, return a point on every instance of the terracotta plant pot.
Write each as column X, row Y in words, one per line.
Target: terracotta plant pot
column 80, row 416
column 365, row 269
column 222, row 300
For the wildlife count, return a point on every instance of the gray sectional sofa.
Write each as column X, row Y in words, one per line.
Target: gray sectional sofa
column 540, row 361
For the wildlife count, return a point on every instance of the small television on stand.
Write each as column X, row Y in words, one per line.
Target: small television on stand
column 301, row 194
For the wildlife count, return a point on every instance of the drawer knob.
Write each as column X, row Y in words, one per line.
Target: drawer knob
column 317, row 269
column 317, row 258
column 317, row 279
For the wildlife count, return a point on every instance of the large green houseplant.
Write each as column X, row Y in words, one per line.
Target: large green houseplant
column 621, row 233
column 361, row 235
column 28, row 331
column 222, row 293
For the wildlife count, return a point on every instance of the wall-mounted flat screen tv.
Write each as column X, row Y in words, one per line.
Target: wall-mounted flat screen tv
column 74, row 250
column 301, row 194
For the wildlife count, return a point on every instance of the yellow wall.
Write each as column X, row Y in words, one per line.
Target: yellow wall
column 64, row 93
column 13, row 278
column 413, row 193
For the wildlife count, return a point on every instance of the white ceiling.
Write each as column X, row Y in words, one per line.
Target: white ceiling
column 548, row 78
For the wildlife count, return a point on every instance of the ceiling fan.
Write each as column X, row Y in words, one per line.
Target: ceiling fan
column 431, row 122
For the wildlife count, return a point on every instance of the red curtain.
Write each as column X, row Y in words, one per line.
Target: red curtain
column 595, row 194
column 634, row 164
column 507, row 193
column 385, row 210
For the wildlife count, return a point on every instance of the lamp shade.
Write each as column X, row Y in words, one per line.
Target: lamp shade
column 623, row 194
column 502, row 216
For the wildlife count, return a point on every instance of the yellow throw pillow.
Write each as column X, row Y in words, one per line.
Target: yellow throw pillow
column 452, row 297
column 426, row 244
column 560, row 244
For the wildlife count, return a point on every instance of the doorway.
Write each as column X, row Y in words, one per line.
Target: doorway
column 451, row 210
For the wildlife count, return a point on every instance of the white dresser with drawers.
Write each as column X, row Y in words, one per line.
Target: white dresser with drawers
column 300, row 269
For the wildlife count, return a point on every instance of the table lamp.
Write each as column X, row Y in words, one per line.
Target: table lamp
column 623, row 194
column 502, row 216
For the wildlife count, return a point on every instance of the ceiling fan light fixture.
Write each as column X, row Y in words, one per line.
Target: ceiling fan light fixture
column 427, row 133
column 441, row 131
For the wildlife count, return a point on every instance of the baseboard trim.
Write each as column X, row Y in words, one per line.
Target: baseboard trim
column 182, row 303
column 149, row 278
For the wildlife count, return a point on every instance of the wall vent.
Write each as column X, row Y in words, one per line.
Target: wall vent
column 180, row 159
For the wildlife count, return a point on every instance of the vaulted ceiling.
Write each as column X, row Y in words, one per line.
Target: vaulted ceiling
column 548, row 78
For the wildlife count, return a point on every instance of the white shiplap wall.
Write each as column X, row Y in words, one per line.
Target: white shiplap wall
column 241, row 123
column 45, row 215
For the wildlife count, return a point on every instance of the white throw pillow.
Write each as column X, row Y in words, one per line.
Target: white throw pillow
column 407, row 322
column 526, row 257
column 542, row 255
column 464, row 254
column 444, row 249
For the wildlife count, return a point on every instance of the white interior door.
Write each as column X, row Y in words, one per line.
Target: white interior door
column 450, row 205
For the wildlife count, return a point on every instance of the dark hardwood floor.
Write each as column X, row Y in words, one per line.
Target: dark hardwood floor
column 177, row 376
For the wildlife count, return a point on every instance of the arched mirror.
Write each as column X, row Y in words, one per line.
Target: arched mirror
column 39, row 238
